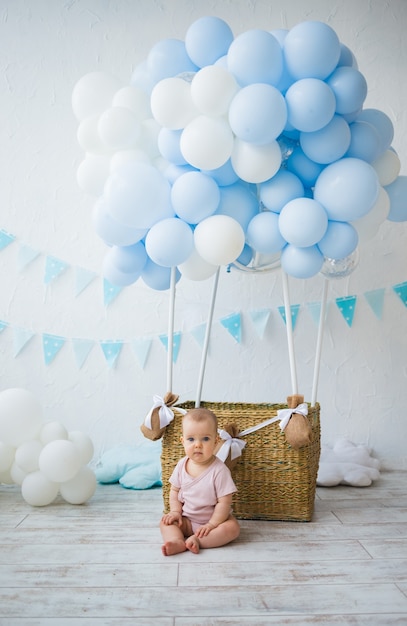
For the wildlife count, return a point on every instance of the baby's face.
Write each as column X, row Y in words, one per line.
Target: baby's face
column 199, row 440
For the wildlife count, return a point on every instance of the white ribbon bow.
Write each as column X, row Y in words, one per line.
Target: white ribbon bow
column 285, row 414
column 231, row 443
column 166, row 415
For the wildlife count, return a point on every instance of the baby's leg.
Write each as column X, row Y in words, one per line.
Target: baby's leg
column 174, row 537
column 222, row 534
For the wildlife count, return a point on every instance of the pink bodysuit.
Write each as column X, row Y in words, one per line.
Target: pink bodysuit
column 199, row 495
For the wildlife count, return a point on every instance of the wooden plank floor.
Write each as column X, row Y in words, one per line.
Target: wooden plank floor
column 101, row 564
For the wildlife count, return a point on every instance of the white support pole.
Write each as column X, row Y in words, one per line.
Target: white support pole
column 170, row 346
column 206, row 340
column 289, row 328
column 318, row 350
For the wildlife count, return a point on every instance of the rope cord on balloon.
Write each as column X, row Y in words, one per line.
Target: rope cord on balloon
column 318, row 350
column 206, row 339
column 289, row 328
column 170, row 339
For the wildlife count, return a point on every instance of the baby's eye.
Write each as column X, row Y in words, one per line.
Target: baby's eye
column 190, row 439
column 206, row 439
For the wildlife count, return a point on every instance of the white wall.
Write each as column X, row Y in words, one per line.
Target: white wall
column 46, row 46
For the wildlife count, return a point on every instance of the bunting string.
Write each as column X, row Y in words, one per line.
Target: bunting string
column 82, row 348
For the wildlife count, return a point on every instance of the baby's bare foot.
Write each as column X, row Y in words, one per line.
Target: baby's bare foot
column 192, row 544
column 173, row 547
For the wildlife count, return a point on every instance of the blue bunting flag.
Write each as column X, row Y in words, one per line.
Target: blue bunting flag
column 111, row 350
column 5, row 239
column 141, row 348
column 294, row 313
column 81, row 349
column 175, row 344
column 375, row 298
column 53, row 268
column 233, row 324
column 260, row 318
column 51, row 345
column 401, row 291
column 21, row 336
column 347, row 306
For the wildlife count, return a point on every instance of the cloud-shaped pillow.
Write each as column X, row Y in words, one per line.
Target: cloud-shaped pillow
column 347, row 464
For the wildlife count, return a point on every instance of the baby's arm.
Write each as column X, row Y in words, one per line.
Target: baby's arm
column 220, row 514
column 175, row 514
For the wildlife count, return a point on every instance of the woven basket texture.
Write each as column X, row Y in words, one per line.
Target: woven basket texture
column 274, row 481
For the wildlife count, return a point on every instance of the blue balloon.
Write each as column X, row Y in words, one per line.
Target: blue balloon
column 347, row 189
column 301, row 262
column 172, row 172
column 117, row 277
column 303, row 222
column 350, row 89
column 258, row 113
column 329, row 143
column 397, row 192
column 365, row 142
column 303, row 167
column 128, row 258
column 207, row 40
column 347, row 58
column 168, row 145
column 168, row 58
column 311, row 49
column 382, row 124
column 238, row 201
column 194, row 197
column 138, row 195
column 112, row 232
column 223, row 175
column 255, row 56
column 263, row 233
column 280, row 189
column 170, row 242
column 339, row 241
column 246, row 256
column 310, row 104
column 158, row 277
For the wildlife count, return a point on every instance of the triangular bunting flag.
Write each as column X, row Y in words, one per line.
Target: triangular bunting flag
column 25, row 256
column 401, row 291
column 3, row 325
column 21, row 337
column 199, row 333
column 260, row 319
column 81, row 349
column 233, row 324
column 53, row 268
column 294, row 313
column 5, row 239
column 314, row 309
column 83, row 278
column 141, row 348
column 51, row 346
column 347, row 307
column 376, row 299
column 111, row 350
column 110, row 292
column 175, row 344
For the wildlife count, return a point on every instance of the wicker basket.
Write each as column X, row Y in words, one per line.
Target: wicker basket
column 274, row 481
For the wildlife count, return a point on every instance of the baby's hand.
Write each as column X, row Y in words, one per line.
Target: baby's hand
column 204, row 530
column 173, row 517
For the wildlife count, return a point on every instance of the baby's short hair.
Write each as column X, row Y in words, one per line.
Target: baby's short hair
column 200, row 415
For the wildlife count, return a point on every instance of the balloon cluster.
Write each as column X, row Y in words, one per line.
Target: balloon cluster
column 223, row 149
column 43, row 457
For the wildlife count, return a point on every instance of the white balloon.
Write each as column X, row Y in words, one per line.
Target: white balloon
column 171, row 103
column 27, row 455
column 17, row 474
column 60, row 460
column 370, row 223
column 135, row 99
column 254, row 163
column 387, row 167
column 89, row 138
column 93, row 93
column 80, row 488
column 119, row 128
column 219, row 239
column 20, row 416
column 124, row 156
column 207, row 142
column 212, row 90
column 38, row 490
column 6, row 456
column 92, row 174
column 83, row 444
column 51, row 431
column 195, row 268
